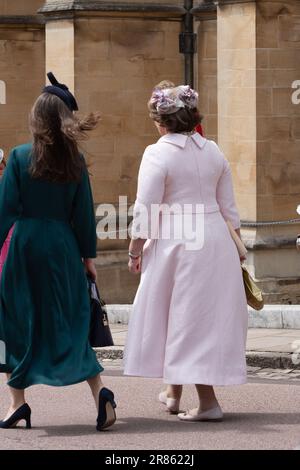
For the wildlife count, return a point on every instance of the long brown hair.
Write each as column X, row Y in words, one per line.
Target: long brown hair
column 56, row 132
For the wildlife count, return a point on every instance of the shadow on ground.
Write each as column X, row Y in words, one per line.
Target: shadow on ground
column 140, row 425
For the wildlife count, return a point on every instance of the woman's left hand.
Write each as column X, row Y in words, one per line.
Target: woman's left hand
column 134, row 265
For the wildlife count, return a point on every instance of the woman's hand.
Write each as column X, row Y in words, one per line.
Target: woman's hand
column 134, row 265
column 135, row 255
column 90, row 268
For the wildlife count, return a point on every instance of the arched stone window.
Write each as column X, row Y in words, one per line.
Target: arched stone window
column 2, row 92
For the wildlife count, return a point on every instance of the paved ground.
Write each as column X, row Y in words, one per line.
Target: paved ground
column 264, row 414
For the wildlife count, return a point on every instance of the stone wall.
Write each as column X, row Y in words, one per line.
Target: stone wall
column 258, row 59
column 278, row 143
column 117, row 64
column 278, row 119
column 22, row 68
column 20, row 7
column 206, row 79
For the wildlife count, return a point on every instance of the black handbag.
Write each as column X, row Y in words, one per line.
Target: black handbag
column 100, row 334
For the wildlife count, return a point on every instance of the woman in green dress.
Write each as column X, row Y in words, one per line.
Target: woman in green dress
column 44, row 302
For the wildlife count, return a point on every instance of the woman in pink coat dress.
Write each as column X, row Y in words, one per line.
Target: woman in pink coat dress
column 189, row 318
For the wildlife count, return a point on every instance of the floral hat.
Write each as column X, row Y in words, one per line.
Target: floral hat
column 170, row 100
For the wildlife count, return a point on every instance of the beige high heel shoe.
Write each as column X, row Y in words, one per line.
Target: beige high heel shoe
column 171, row 403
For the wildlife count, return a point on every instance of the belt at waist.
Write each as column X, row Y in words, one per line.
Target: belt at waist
column 187, row 209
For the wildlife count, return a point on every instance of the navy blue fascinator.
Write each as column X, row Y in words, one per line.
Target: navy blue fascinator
column 62, row 91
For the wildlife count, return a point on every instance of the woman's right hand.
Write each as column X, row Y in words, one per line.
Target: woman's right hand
column 90, row 268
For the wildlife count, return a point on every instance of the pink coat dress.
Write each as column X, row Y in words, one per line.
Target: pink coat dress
column 4, row 251
column 189, row 318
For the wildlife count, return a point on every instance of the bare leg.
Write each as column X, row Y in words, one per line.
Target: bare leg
column 171, row 397
column 95, row 384
column 207, row 397
column 17, row 399
column 174, row 391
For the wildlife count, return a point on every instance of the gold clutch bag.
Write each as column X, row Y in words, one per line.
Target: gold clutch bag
column 253, row 292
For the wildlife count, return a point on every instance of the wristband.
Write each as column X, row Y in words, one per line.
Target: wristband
column 134, row 255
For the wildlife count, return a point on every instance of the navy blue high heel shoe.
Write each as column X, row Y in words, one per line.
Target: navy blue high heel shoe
column 106, row 414
column 24, row 412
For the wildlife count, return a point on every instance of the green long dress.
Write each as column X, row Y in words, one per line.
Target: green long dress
column 44, row 304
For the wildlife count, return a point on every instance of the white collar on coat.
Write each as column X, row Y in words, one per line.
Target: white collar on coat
column 180, row 139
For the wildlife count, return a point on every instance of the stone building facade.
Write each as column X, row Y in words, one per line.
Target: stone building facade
column 113, row 53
